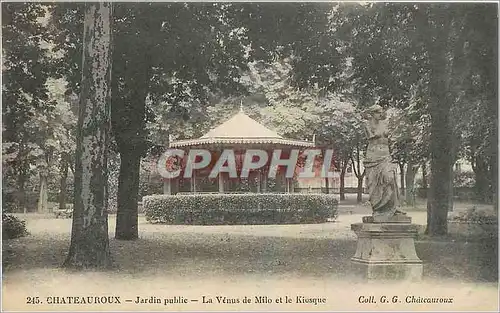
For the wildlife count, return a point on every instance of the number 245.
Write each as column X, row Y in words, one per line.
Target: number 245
column 33, row 300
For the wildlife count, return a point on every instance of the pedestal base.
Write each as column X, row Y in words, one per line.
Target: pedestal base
column 387, row 250
column 373, row 271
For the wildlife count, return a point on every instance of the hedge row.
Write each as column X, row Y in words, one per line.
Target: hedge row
column 229, row 209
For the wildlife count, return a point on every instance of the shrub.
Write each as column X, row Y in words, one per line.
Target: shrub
column 12, row 227
column 227, row 209
column 474, row 215
column 464, row 179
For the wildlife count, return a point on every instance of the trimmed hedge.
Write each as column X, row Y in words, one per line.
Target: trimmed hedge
column 230, row 209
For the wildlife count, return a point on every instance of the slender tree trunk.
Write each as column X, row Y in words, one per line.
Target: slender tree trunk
column 493, row 143
column 43, row 204
column 63, row 181
column 411, row 170
column 356, row 166
column 89, row 236
column 425, row 185
column 481, row 176
column 494, row 178
column 452, row 190
column 327, row 185
column 360, row 188
column 402, row 178
column 21, row 184
column 128, row 193
column 43, row 196
column 22, row 176
column 342, row 179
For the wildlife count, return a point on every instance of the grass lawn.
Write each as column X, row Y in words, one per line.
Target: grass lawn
column 237, row 261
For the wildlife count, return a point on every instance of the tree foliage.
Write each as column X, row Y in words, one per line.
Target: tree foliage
column 303, row 69
column 406, row 52
column 34, row 119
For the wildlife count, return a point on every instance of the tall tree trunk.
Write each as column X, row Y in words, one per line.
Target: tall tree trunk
column 441, row 175
column 425, row 185
column 343, row 170
column 129, row 134
column 441, row 130
column 494, row 178
column 411, row 170
column 452, row 190
column 43, row 194
column 402, row 179
column 482, row 184
column 493, row 143
column 128, row 193
column 43, row 204
column 22, row 177
column 356, row 166
column 63, row 182
column 327, row 185
column 89, row 236
column 360, row 189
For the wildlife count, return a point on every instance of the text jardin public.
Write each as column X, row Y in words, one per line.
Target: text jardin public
column 226, row 300
column 253, row 159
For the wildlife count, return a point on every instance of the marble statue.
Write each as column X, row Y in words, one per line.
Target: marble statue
column 380, row 170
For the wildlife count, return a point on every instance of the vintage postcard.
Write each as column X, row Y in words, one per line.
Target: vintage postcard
column 249, row 156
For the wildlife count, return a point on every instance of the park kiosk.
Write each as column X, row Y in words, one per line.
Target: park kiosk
column 238, row 133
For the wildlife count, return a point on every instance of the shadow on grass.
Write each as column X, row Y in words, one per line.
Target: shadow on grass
column 191, row 254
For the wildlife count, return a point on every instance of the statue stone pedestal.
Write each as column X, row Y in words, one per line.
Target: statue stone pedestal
column 386, row 248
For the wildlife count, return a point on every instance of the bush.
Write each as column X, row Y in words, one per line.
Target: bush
column 12, row 227
column 230, row 209
column 464, row 179
column 476, row 216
